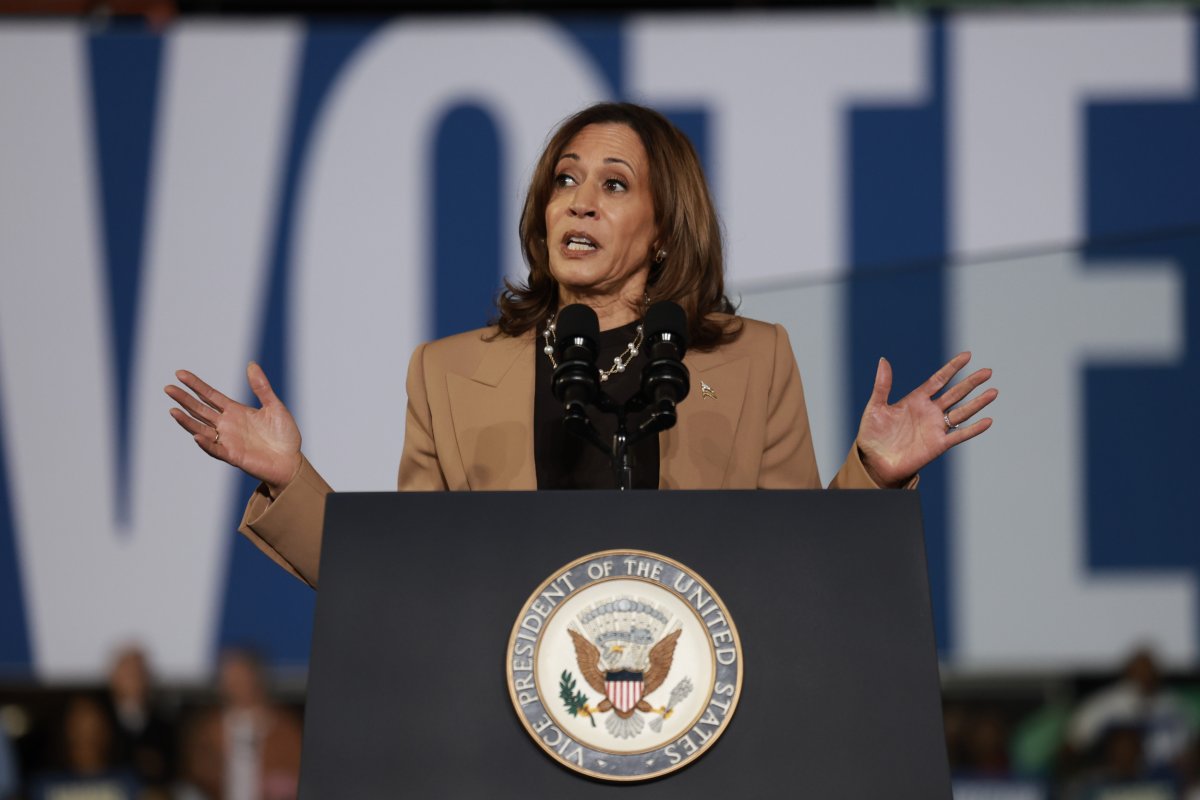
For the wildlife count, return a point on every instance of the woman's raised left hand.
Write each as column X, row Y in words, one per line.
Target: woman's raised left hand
column 896, row 441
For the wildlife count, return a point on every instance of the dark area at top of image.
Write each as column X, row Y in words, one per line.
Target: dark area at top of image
column 344, row 7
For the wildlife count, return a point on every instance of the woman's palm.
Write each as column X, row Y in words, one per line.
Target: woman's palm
column 263, row 442
column 898, row 440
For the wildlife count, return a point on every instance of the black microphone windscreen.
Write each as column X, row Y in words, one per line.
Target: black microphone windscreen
column 667, row 317
column 577, row 320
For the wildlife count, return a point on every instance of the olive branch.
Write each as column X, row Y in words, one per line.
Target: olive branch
column 574, row 701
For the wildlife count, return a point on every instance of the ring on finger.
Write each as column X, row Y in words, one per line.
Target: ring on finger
column 950, row 426
column 217, row 440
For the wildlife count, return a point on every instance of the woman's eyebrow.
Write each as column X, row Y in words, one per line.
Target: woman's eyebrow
column 609, row 160
column 620, row 161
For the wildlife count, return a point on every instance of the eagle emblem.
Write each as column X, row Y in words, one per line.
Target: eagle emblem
column 623, row 654
column 624, row 665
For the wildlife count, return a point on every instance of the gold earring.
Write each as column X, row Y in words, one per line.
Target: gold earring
column 660, row 256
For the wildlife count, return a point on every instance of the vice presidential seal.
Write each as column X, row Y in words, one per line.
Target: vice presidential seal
column 624, row 665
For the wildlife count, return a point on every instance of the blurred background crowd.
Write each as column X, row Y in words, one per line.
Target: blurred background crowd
column 1130, row 734
column 134, row 739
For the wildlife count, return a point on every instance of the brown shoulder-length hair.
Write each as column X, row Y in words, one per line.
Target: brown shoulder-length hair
column 693, row 272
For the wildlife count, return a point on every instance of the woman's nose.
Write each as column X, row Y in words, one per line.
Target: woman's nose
column 583, row 203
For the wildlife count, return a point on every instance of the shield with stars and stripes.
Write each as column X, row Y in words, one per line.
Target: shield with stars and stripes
column 624, row 689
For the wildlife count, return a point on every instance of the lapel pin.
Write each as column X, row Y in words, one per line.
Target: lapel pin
column 707, row 391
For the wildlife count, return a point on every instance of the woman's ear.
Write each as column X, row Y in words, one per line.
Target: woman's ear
column 658, row 253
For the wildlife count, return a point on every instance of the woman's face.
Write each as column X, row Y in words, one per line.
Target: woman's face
column 600, row 226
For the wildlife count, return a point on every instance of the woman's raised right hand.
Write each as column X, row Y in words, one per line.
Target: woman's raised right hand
column 263, row 442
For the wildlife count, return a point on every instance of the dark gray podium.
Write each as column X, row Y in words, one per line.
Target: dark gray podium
column 419, row 592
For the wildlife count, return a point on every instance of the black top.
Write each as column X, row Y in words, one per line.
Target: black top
column 563, row 460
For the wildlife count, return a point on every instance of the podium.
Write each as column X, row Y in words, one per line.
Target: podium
column 419, row 594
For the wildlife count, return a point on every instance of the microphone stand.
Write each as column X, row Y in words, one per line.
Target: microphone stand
column 576, row 381
column 619, row 453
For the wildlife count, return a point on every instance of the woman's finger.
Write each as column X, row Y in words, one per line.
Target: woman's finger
column 960, row 435
column 963, row 388
column 206, row 437
column 191, row 405
column 944, row 375
column 209, row 445
column 190, row 425
column 260, row 385
column 964, row 412
column 205, row 392
column 883, row 383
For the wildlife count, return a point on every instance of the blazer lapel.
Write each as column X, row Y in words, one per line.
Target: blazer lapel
column 696, row 452
column 492, row 415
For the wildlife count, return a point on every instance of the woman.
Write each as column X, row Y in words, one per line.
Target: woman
column 618, row 216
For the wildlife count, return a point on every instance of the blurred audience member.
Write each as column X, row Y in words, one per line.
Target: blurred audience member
column 1138, row 701
column 86, row 759
column 9, row 775
column 988, row 747
column 956, row 723
column 144, row 738
column 1123, row 771
column 248, row 749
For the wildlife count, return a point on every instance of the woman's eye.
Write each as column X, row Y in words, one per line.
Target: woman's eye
column 614, row 185
column 563, row 179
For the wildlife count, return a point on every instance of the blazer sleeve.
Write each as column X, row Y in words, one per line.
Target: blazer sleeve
column 288, row 529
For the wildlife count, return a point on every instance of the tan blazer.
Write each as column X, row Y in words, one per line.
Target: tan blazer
column 470, row 427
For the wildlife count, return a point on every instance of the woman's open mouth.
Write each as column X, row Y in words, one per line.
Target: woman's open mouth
column 575, row 242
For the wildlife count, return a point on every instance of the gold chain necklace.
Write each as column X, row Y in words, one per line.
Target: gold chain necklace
column 619, row 363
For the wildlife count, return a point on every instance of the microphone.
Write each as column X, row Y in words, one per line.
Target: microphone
column 576, row 380
column 665, row 379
